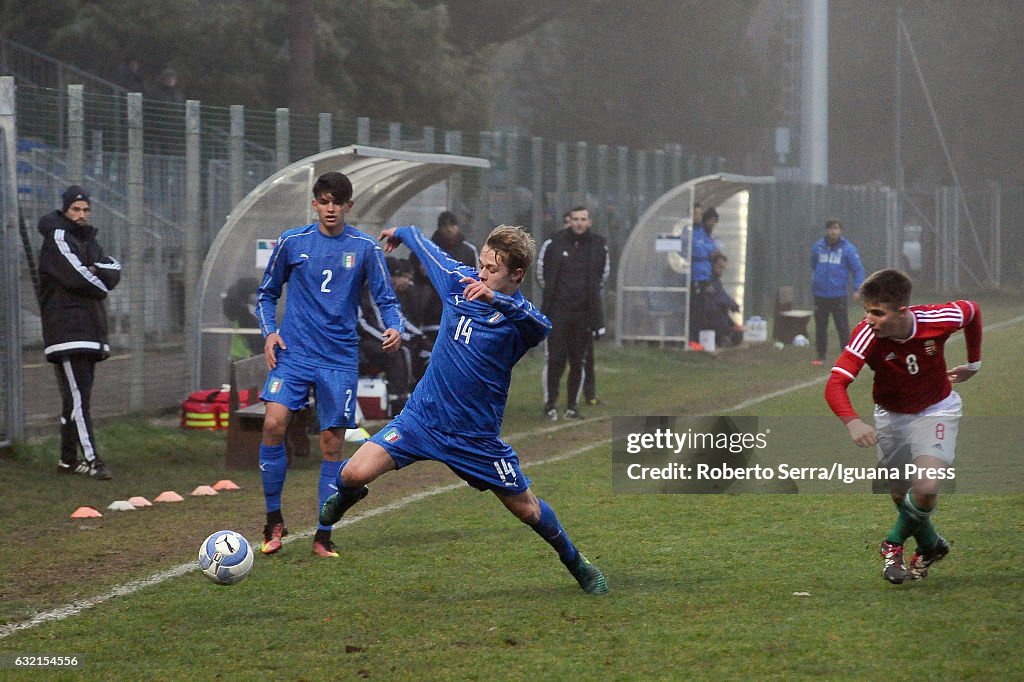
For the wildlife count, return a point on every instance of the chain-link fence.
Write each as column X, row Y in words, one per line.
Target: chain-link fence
column 143, row 211
column 158, row 211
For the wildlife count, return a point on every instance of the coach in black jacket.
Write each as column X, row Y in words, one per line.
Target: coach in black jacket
column 75, row 277
column 572, row 267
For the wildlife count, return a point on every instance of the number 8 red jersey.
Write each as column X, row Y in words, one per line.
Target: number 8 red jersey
column 910, row 374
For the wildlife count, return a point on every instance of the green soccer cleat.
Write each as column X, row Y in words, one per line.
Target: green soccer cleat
column 589, row 576
column 335, row 506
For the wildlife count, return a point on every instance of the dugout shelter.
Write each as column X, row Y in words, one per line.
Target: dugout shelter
column 383, row 181
column 653, row 292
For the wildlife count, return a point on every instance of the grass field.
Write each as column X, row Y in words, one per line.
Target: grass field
column 447, row 585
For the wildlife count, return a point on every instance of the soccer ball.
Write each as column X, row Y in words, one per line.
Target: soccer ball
column 225, row 557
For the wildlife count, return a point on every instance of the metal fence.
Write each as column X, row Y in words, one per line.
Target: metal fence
column 133, row 157
column 158, row 211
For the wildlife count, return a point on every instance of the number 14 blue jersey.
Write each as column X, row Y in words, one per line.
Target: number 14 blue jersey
column 466, row 385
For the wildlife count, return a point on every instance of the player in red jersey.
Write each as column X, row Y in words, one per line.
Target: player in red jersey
column 917, row 412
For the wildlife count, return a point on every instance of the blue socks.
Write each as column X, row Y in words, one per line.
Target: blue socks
column 551, row 530
column 329, row 473
column 273, row 468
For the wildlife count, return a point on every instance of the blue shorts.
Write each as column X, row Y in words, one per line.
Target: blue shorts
column 487, row 463
column 335, row 391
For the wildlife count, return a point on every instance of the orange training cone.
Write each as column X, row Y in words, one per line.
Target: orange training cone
column 168, row 496
column 225, row 484
column 85, row 513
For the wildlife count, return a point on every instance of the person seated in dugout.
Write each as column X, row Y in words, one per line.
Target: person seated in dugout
column 719, row 306
column 397, row 368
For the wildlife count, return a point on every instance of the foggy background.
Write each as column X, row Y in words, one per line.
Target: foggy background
column 711, row 76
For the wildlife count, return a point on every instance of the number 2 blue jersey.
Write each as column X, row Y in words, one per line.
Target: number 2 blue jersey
column 466, row 385
column 325, row 276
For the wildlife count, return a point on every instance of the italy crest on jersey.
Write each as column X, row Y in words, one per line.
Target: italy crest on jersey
column 392, row 435
column 275, row 386
column 495, row 318
column 348, row 260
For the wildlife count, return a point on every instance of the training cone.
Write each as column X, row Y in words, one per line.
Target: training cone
column 225, row 484
column 168, row 496
column 139, row 501
column 203, row 490
column 121, row 505
column 85, row 513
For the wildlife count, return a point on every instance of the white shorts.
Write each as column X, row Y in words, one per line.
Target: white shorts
column 932, row 431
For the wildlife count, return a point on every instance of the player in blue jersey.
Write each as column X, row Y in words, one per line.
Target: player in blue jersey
column 325, row 265
column 455, row 412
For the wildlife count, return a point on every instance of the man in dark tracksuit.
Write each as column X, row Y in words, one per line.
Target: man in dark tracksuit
column 571, row 267
column 449, row 237
column 75, row 277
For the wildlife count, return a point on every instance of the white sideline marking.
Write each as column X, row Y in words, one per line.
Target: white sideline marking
column 128, row 588
column 821, row 380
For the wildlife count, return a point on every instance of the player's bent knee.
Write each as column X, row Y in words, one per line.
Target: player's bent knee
column 369, row 462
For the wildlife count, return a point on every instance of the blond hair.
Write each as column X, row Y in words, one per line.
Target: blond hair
column 512, row 246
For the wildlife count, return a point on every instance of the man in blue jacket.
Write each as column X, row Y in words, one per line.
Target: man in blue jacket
column 834, row 261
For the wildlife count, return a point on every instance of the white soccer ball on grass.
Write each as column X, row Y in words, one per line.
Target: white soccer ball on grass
column 225, row 557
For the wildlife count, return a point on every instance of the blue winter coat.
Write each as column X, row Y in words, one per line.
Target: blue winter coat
column 833, row 267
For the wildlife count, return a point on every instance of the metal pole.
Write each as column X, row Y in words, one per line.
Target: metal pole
column 537, row 188
column 898, row 106
column 14, row 412
column 814, row 100
column 195, row 240
column 282, row 137
column 324, row 133
column 137, row 281
column 236, row 154
column 76, row 135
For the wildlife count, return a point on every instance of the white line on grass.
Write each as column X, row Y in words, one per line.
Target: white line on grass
column 821, row 380
column 128, row 588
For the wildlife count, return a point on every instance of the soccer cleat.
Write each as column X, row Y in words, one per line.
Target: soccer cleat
column 325, row 548
column 334, row 507
column 573, row 413
column 99, row 471
column 695, row 346
column 551, row 414
column 78, row 467
column 893, row 569
column 920, row 561
column 589, row 576
column 272, row 535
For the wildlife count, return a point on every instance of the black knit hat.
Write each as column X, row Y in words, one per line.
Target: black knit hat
column 72, row 194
